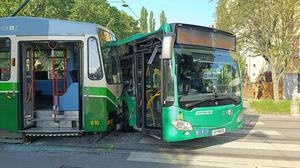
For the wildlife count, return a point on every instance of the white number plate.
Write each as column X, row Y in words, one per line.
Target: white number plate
column 218, row 131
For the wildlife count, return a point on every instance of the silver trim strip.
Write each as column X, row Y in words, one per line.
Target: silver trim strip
column 9, row 91
column 102, row 97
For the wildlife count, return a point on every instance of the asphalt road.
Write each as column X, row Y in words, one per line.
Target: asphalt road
column 266, row 141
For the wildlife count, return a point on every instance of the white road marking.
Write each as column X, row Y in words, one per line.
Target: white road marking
column 253, row 123
column 241, row 131
column 261, row 146
column 213, row 161
column 259, row 123
column 241, row 145
column 257, row 132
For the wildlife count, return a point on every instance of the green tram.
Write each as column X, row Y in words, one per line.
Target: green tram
column 57, row 77
column 181, row 82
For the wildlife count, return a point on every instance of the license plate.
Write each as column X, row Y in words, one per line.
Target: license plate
column 218, row 131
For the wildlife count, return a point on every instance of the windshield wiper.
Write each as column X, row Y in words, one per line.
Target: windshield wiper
column 195, row 103
column 234, row 98
column 216, row 96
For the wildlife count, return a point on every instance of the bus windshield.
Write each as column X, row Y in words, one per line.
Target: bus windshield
column 206, row 74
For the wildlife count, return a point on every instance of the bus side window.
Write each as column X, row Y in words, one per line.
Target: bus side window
column 127, row 74
column 94, row 67
column 127, row 68
column 5, row 59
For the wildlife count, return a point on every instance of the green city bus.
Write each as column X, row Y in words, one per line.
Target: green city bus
column 181, row 82
column 57, row 78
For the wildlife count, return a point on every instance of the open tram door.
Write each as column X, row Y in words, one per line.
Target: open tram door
column 149, row 74
column 50, row 75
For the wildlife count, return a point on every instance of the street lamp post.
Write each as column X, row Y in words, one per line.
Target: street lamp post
column 125, row 5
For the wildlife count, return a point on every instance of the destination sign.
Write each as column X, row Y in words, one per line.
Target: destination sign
column 203, row 36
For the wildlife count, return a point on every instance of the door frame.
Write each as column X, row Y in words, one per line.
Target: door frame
column 22, row 62
column 81, row 47
column 155, row 132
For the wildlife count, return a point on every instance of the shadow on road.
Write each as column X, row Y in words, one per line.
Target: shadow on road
column 250, row 122
column 135, row 141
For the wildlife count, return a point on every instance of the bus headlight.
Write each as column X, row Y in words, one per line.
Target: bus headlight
column 239, row 118
column 182, row 125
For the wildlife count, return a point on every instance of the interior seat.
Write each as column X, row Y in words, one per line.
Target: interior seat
column 69, row 101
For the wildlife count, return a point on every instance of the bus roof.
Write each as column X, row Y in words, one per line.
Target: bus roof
column 31, row 26
column 140, row 35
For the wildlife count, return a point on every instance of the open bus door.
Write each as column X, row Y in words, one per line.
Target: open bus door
column 149, row 108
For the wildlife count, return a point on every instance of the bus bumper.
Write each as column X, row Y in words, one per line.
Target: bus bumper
column 174, row 135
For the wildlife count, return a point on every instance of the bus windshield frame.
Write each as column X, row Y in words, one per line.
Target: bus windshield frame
column 204, row 74
column 209, row 57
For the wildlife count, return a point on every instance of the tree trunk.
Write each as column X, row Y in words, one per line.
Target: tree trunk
column 276, row 90
column 275, row 81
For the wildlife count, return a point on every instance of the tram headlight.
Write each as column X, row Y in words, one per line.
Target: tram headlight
column 182, row 125
column 239, row 118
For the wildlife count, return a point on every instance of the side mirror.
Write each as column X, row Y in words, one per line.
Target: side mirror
column 168, row 45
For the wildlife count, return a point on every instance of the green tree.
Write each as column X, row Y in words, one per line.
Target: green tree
column 151, row 22
column 38, row 8
column 162, row 18
column 144, row 20
column 268, row 28
column 7, row 7
column 93, row 11
column 100, row 12
column 128, row 25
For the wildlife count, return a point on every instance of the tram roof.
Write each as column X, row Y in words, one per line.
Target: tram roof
column 32, row 26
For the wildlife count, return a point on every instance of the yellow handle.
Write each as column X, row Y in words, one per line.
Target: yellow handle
column 149, row 106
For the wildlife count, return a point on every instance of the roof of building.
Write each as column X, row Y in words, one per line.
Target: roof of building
column 31, row 26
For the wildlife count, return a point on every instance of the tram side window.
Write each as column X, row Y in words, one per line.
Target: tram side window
column 94, row 71
column 4, row 59
column 110, row 57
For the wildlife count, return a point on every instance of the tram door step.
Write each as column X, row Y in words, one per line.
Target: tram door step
column 45, row 119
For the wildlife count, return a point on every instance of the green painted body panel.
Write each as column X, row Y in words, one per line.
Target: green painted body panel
column 9, row 86
column 131, row 105
column 9, row 107
column 96, row 108
column 204, row 123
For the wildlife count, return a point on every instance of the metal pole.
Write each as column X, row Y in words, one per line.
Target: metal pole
column 295, row 105
column 20, row 8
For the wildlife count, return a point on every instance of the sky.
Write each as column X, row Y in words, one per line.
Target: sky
column 198, row 12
